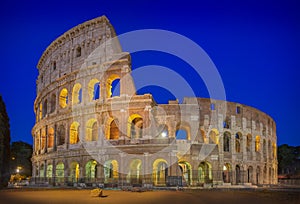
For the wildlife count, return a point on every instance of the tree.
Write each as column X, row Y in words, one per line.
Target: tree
column 288, row 158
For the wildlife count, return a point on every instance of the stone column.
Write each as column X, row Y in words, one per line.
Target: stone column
column 46, row 139
column 53, row 172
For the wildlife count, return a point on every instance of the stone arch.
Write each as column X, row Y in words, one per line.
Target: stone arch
column 94, row 89
column 135, row 170
column 49, row 171
column 60, row 172
column 77, row 94
column 40, row 113
column 50, row 139
column 238, row 140
column 183, row 131
column 42, row 170
column 160, row 172
column 45, row 108
column 226, row 141
column 91, row 169
column 135, row 126
column 250, row 174
column 43, row 138
column 249, row 143
column 202, row 138
column 74, row 171
column 257, row 143
column 53, row 103
column 227, row 173
column 109, row 83
column 111, row 169
column 205, row 172
column 238, row 177
column 113, row 132
column 258, row 176
column 214, row 136
column 91, row 133
column 63, row 98
column 61, row 134
column 186, row 170
column 74, row 133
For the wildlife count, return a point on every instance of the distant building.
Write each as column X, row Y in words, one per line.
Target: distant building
column 84, row 133
column 21, row 154
column 4, row 145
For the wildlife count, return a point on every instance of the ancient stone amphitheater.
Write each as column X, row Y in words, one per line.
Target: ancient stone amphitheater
column 92, row 128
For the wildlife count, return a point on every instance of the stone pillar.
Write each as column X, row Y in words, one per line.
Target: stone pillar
column 53, row 172
column 100, row 173
column 46, row 139
column 55, row 136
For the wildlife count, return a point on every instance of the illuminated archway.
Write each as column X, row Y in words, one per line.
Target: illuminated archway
column 49, row 171
column 74, row 171
column 183, row 131
column 205, row 172
column 91, row 130
column 214, row 136
column 60, row 172
column 227, row 173
column 61, row 134
column 186, row 170
column 110, row 90
column 43, row 138
column 249, row 143
column 226, row 141
column 238, row 138
column 50, row 138
column 91, row 169
column 160, row 172
column 63, row 98
column 113, row 132
column 94, row 89
column 134, row 173
column 76, row 94
column 74, row 133
column 111, row 169
column 135, row 126
column 257, row 143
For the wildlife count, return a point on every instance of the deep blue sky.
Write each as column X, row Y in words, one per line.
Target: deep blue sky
column 254, row 44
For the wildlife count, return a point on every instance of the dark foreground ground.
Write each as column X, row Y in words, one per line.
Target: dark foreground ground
column 65, row 196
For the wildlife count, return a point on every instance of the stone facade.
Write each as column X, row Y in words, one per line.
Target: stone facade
column 88, row 132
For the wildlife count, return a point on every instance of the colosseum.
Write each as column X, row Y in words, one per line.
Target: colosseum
column 91, row 128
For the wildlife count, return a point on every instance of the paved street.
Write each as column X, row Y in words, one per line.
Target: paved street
column 65, row 196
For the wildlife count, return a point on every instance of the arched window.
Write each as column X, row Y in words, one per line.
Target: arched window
column 264, row 148
column 90, row 169
column 226, row 123
column 214, row 136
column 53, row 103
column 49, row 171
column 160, row 172
column 77, row 94
column 60, row 172
column 186, row 170
column 113, row 88
column 74, row 133
column 43, row 137
column 183, row 131
column 61, row 134
column 249, row 143
column 45, row 108
column 78, row 51
column 135, row 126
column 63, row 98
column 40, row 111
column 238, row 137
column 91, row 130
column 226, row 142
column 135, row 171
column 257, row 143
column 114, row 132
column 50, row 137
column 74, row 171
column 94, row 89
column 111, row 170
column 205, row 172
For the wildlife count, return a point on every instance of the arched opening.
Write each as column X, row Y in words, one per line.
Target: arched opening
column 135, row 126
column 110, row 90
column 162, row 131
column 214, row 136
column 238, row 174
column 227, row 123
column 249, row 143
column 74, row 133
column 227, row 173
column 134, row 175
column 74, row 171
column 42, row 171
column 160, row 172
column 91, row 169
column 60, row 172
column 111, row 174
column 49, row 171
column 77, row 94
column 53, row 103
column 94, row 89
column 183, row 131
column 264, row 149
column 61, row 134
column 265, row 174
column 63, row 98
column 226, row 142
column 45, row 108
column 114, row 132
column 257, row 143
column 258, row 177
column 186, row 170
column 43, row 138
column 40, row 114
column 205, row 173
column 202, row 138
column 91, row 130
column 250, row 174
column 50, row 138
column 274, row 150
column 238, row 138
column 78, row 51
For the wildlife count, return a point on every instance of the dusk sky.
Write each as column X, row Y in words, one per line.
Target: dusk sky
column 254, row 45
